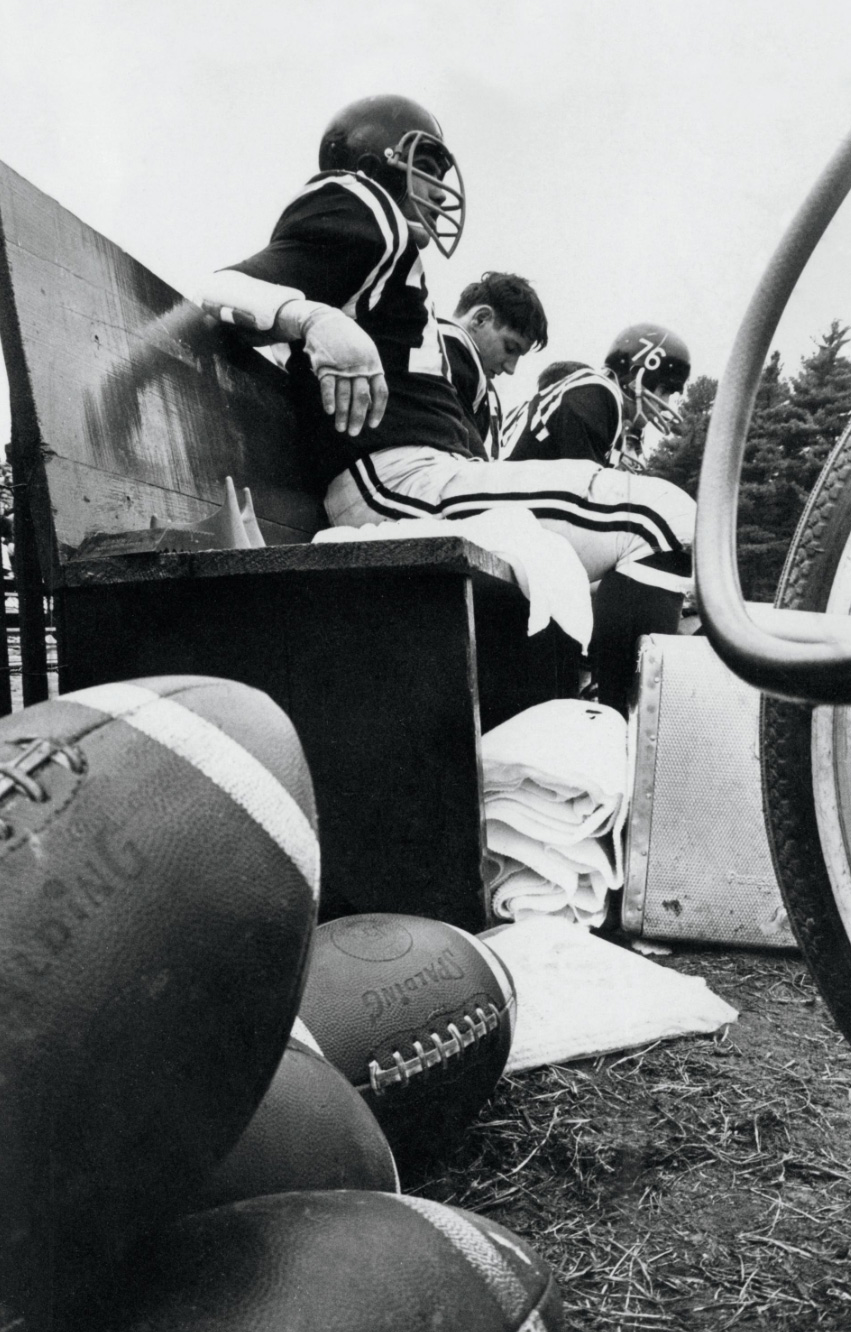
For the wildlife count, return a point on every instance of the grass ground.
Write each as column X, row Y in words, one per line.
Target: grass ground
column 702, row 1183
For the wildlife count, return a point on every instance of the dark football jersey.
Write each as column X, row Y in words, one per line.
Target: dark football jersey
column 471, row 384
column 495, row 408
column 343, row 241
column 580, row 416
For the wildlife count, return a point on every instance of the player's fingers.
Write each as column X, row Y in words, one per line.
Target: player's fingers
column 360, row 402
column 328, row 389
column 380, row 394
column 343, row 397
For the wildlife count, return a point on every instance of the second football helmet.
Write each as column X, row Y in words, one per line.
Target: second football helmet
column 650, row 361
column 397, row 142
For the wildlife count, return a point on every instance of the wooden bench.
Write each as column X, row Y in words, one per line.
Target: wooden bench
column 389, row 657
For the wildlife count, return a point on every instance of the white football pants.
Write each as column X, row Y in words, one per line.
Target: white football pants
column 639, row 525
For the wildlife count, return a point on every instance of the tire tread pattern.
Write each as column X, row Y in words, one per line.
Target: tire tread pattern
column 785, row 747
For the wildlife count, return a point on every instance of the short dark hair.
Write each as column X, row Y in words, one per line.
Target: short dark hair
column 557, row 370
column 514, row 302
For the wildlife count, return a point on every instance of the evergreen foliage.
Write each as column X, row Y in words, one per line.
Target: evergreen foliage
column 794, row 426
column 679, row 455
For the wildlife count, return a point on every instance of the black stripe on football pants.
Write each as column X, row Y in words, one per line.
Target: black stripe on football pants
column 641, row 522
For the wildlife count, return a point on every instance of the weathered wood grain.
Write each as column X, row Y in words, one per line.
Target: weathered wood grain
column 126, row 400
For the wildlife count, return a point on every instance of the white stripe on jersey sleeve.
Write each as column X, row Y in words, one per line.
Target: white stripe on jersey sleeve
column 513, row 427
column 394, row 246
column 536, row 412
column 450, row 329
column 551, row 398
column 220, row 758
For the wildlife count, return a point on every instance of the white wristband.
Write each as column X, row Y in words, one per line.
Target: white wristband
column 294, row 314
column 248, row 302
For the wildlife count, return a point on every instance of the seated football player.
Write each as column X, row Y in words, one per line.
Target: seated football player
column 496, row 321
column 601, row 415
column 342, row 283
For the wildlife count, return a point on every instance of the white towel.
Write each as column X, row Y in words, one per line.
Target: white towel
column 561, row 746
column 546, row 567
column 589, row 855
column 519, row 891
column 562, row 822
column 579, row 996
column 555, row 781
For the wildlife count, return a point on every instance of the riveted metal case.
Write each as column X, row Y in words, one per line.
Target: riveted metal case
column 698, row 865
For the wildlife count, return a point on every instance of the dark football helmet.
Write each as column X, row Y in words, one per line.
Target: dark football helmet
column 648, row 361
column 397, row 142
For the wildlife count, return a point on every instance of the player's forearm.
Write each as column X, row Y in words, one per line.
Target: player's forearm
column 285, row 315
column 343, row 357
column 254, row 305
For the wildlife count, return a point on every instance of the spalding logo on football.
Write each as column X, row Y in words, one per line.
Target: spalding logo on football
column 418, row 1014
column 159, row 871
column 310, row 1131
column 340, row 1261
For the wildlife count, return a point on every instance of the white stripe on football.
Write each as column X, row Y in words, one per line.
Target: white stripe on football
column 220, row 758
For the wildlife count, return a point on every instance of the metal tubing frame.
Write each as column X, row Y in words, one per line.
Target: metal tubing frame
column 808, row 664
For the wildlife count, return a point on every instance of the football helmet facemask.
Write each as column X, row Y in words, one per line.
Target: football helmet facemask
column 650, row 362
column 400, row 145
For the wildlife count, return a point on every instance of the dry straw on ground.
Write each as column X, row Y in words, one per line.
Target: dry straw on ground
column 702, row 1183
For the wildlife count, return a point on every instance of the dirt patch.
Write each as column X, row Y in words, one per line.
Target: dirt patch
column 702, row 1183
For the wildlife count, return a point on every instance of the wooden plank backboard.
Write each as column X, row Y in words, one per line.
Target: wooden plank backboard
column 127, row 401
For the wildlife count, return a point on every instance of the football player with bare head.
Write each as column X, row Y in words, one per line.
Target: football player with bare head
column 496, row 321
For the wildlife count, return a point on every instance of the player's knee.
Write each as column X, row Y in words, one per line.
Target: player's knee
column 676, row 508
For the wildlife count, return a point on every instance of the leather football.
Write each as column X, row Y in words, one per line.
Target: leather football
column 418, row 1015
column 159, row 872
column 310, row 1131
column 338, row 1262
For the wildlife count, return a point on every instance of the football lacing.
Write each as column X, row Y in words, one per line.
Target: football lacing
column 440, row 1052
column 17, row 775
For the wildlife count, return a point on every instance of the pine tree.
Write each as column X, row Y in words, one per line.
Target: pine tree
column 678, row 456
column 795, row 424
column 769, row 500
column 822, row 390
column 794, row 427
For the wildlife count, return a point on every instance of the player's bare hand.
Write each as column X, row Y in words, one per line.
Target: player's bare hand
column 354, row 401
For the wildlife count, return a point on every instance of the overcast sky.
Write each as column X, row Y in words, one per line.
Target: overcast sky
column 634, row 160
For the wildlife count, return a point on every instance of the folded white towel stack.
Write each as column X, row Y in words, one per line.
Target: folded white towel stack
column 555, row 779
column 546, row 566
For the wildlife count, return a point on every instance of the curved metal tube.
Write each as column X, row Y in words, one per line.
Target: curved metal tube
column 810, row 665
